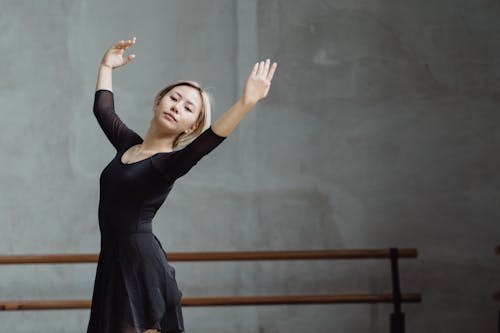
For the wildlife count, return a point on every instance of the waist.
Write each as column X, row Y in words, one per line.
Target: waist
column 143, row 228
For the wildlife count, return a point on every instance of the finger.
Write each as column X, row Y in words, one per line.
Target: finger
column 131, row 41
column 118, row 45
column 128, row 43
column 271, row 72
column 261, row 67
column 123, row 44
column 266, row 67
column 255, row 68
column 128, row 58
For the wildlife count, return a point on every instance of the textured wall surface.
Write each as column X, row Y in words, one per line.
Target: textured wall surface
column 381, row 129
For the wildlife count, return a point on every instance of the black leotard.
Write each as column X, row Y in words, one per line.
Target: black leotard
column 135, row 287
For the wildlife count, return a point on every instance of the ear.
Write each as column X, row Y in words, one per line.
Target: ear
column 191, row 129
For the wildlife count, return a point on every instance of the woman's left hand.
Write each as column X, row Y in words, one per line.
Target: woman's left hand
column 258, row 82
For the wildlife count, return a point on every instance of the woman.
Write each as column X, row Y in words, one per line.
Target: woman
column 135, row 288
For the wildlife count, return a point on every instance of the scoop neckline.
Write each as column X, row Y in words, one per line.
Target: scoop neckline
column 139, row 161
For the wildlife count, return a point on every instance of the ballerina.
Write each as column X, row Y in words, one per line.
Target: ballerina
column 135, row 288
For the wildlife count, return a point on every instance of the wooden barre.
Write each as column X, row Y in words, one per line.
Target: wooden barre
column 224, row 301
column 219, row 256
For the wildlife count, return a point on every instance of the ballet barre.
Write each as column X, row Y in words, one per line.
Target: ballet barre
column 219, row 256
column 397, row 318
column 224, row 301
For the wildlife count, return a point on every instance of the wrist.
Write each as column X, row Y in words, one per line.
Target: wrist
column 103, row 65
column 247, row 104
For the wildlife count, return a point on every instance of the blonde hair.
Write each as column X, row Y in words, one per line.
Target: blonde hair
column 203, row 120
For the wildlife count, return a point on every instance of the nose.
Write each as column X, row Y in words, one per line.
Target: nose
column 175, row 108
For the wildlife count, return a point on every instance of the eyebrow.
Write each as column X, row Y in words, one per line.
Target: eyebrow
column 187, row 100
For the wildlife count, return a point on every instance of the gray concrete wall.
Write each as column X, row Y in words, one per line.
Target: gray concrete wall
column 381, row 130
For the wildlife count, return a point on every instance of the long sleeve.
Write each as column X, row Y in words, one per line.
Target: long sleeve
column 178, row 163
column 116, row 131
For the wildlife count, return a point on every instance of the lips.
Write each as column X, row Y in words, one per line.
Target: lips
column 169, row 116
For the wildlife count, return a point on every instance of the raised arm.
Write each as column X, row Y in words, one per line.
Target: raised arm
column 256, row 88
column 104, row 109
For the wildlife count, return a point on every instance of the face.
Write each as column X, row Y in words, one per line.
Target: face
column 179, row 109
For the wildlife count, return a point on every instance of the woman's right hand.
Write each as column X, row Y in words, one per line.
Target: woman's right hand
column 114, row 55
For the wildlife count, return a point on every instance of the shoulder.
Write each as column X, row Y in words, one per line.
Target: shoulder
column 131, row 138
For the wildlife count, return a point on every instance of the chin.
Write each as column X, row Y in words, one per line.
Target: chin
column 167, row 126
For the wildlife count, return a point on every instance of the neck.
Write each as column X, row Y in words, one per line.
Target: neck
column 158, row 141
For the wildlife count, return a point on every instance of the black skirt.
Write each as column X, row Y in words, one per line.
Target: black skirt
column 135, row 287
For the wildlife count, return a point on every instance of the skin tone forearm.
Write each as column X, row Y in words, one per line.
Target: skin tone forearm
column 231, row 118
column 256, row 88
column 104, row 78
